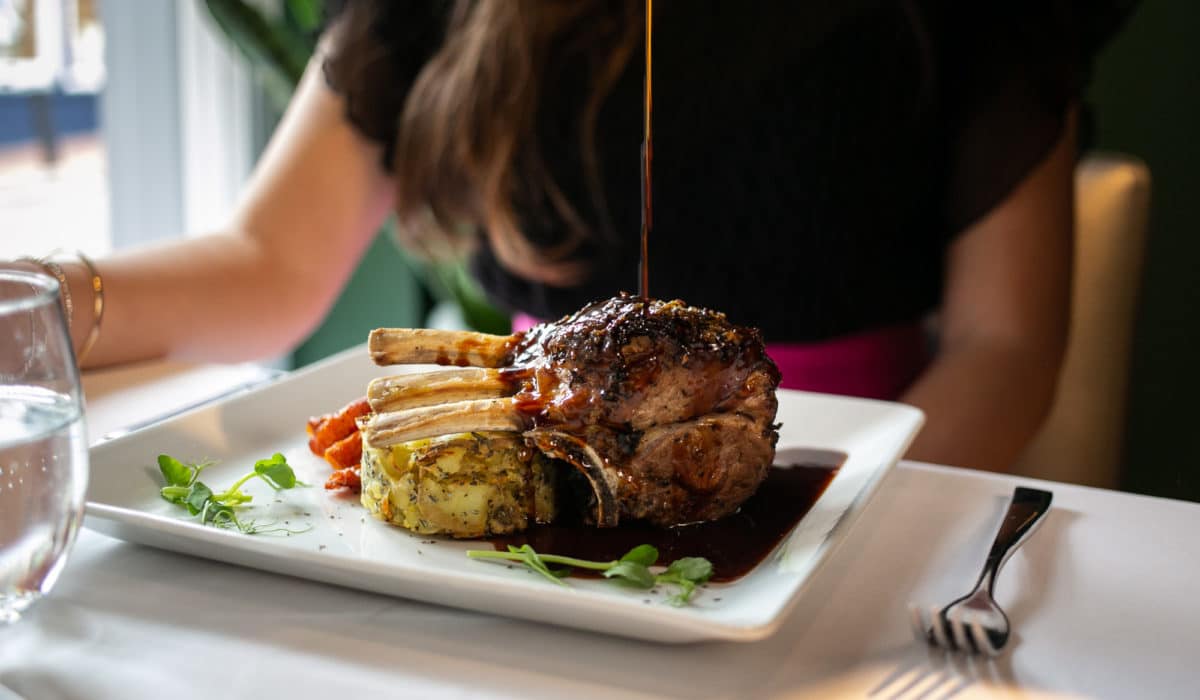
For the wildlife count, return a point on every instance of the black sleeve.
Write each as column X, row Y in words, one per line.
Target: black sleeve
column 1009, row 72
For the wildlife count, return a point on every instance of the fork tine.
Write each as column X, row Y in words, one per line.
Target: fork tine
column 980, row 636
column 916, row 620
column 939, row 629
column 954, row 616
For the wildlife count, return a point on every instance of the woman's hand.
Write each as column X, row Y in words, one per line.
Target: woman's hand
column 1003, row 323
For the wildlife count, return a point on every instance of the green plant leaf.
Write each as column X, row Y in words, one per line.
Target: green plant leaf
column 276, row 472
column 175, row 494
column 219, row 514
column 694, row 569
column 277, row 54
column 479, row 314
column 644, row 554
column 219, row 509
column 175, row 472
column 306, row 14
column 631, row 573
column 686, row 573
column 198, row 496
column 531, row 559
column 633, row 569
column 686, row 589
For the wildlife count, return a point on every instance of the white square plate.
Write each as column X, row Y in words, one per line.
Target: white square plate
column 344, row 546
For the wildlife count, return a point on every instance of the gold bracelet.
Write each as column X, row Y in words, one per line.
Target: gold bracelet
column 54, row 270
column 97, row 306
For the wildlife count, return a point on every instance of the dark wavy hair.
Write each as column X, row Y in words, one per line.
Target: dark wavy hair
column 464, row 144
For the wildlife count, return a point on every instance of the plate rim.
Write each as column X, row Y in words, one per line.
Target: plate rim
column 113, row 520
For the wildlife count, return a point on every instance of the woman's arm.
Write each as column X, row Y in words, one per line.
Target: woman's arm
column 1003, row 323
column 313, row 204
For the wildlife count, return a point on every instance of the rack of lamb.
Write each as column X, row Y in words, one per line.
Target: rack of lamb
column 667, row 410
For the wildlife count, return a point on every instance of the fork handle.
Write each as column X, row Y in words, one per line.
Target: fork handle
column 1025, row 512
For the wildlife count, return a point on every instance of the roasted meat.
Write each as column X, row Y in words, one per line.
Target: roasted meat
column 668, row 410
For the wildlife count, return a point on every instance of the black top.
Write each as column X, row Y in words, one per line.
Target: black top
column 811, row 160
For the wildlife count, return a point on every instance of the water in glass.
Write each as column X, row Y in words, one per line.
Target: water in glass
column 43, row 446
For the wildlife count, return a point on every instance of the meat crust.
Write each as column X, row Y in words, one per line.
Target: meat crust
column 674, row 404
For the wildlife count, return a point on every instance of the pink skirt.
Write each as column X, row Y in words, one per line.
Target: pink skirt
column 875, row 364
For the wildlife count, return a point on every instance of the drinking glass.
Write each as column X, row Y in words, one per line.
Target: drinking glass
column 43, row 446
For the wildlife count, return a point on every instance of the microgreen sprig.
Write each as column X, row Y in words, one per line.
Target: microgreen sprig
column 217, row 509
column 632, row 569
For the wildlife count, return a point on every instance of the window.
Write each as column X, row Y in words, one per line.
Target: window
column 120, row 122
column 51, row 151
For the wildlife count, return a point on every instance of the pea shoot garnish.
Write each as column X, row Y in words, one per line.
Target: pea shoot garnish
column 184, row 488
column 632, row 569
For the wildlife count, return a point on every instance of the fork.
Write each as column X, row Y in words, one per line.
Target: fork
column 975, row 623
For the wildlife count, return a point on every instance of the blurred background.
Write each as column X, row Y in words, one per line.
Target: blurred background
column 128, row 121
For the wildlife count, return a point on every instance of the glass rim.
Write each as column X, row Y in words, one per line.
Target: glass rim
column 45, row 290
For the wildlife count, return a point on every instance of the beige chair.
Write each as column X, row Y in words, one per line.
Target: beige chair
column 1081, row 440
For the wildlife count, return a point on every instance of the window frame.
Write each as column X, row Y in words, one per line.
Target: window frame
column 179, row 116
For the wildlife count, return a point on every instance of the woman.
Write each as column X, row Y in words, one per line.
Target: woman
column 833, row 177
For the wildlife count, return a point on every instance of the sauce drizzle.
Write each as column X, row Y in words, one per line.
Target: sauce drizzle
column 647, row 158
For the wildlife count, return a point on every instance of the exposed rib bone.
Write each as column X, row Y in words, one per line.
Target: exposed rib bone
column 584, row 457
column 384, row 429
column 414, row 346
column 432, row 388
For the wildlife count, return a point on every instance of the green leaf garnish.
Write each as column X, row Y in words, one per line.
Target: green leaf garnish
column 632, row 569
column 686, row 589
column 197, row 498
column 218, row 514
column 687, row 573
column 175, row 494
column 694, row 569
column 218, row 509
column 531, row 559
column 175, row 472
column 644, row 554
column 276, row 472
column 631, row 573
column 180, row 478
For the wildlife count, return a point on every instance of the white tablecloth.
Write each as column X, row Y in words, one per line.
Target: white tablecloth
column 1104, row 598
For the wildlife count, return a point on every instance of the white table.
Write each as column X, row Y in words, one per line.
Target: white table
column 1105, row 599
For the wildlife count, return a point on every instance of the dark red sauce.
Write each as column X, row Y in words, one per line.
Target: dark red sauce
column 734, row 544
column 514, row 378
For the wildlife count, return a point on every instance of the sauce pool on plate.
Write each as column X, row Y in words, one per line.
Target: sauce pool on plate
column 734, row 544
